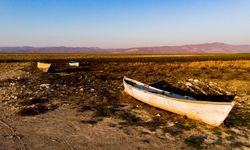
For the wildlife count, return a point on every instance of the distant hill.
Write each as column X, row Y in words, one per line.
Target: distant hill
column 195, row 48
column 27, row 49
column 184, row 49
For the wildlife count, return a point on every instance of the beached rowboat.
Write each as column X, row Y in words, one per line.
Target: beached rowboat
column 73, row 64
column 213, row 113
column 43, row 66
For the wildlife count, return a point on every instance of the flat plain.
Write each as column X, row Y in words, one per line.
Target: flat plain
column 86, row 107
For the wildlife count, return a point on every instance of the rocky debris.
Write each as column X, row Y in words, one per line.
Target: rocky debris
column 147, row 131
column 157, row 115
column 45, row 86
column 168, row 136
column 13, row 97
column 172, row 130
column 148, row 140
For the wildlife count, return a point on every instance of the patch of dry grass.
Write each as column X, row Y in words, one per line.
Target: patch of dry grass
column 19, row 57
column 237, row 64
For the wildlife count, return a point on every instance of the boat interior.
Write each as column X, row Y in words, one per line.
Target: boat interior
column 167, row 89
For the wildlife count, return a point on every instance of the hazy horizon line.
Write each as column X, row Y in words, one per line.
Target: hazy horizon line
column 126, row 47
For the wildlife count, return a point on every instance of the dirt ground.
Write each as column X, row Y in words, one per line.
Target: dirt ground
column 86, row 108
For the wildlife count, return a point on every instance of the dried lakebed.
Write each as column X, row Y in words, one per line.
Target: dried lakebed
column 86, row 108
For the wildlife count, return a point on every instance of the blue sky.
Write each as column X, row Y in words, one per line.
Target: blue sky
column 123, row 23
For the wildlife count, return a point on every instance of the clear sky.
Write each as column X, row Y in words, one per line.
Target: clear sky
column 123, row 23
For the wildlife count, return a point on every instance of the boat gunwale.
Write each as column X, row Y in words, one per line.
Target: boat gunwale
column 161, row 95
column 73, row 62
column 40, row 63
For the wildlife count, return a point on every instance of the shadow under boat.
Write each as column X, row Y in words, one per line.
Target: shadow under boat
column 68, row 69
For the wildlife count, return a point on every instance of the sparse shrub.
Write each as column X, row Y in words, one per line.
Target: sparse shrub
column 195, row 140
column 130, row 118
column 34, row 110
column 104, row 112
column 172, row 130
column 236, row 144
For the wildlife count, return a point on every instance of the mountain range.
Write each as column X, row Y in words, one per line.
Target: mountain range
column 183, row 49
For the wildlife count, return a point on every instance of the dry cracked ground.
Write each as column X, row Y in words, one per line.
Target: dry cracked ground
column 86, row 108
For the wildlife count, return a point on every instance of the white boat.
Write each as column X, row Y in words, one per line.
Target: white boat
column 213, row 113
column 43, row 66
column 73, row 64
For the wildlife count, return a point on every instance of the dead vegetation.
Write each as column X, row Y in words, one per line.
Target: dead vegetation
column 195, row 141
column 97, row 87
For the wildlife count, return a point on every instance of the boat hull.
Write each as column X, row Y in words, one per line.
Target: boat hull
column 43, row 66
column 75, row 64
column 213, row 113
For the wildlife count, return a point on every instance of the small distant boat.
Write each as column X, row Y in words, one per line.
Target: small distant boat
column 213, row 113
column 73, row 64
column 43, row 66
